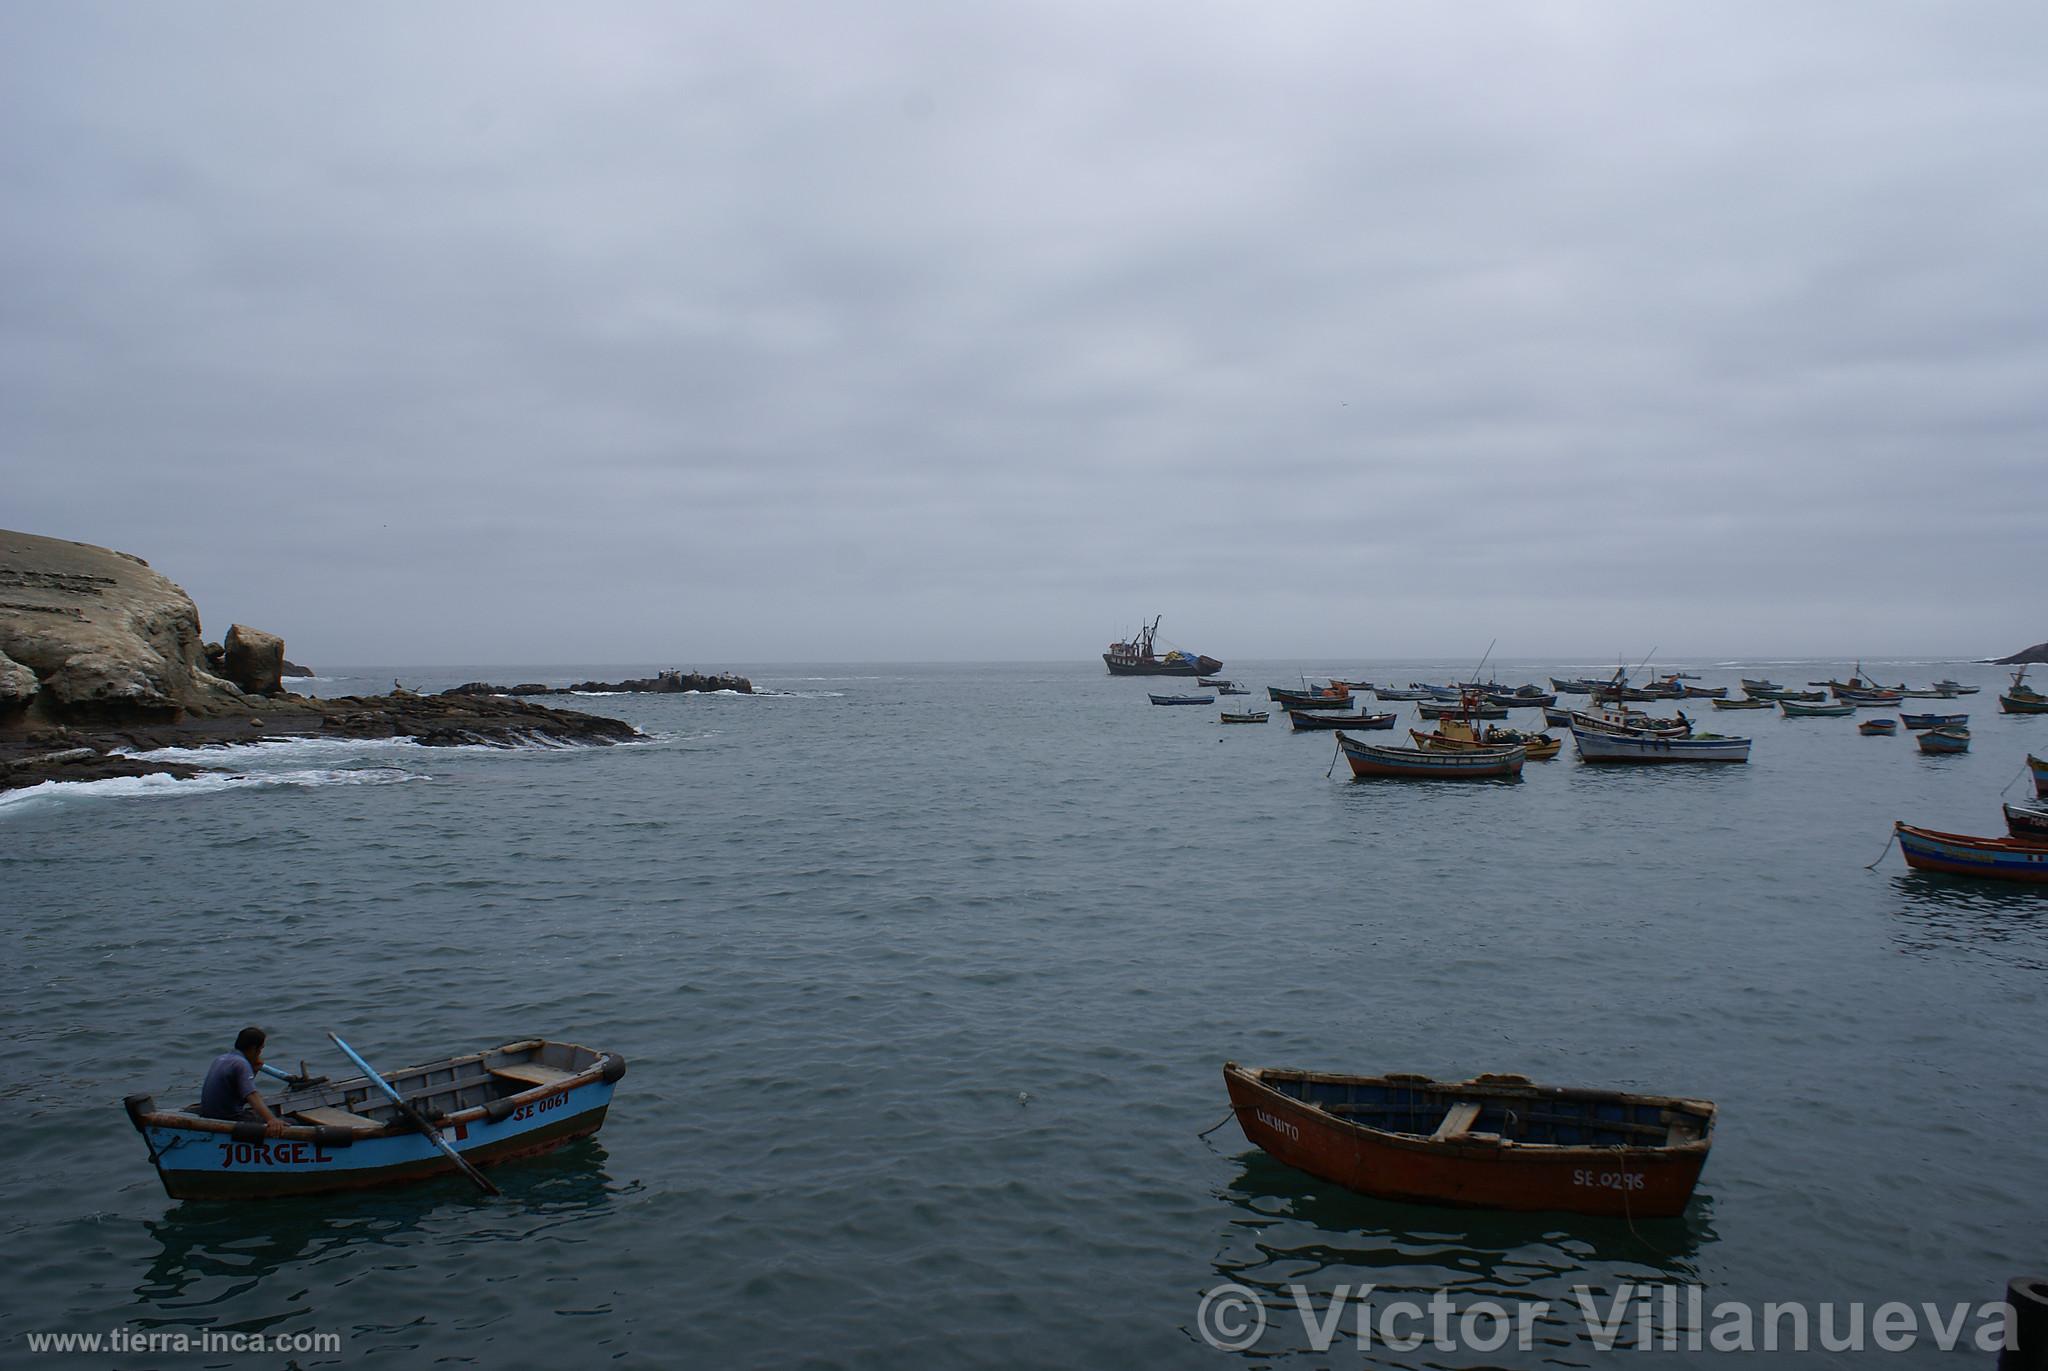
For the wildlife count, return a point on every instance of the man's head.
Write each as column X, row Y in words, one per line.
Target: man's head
column 249, row 1042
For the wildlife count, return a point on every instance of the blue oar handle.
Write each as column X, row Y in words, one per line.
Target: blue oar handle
column 419, row 1120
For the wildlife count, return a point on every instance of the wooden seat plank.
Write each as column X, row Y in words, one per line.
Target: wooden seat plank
column 1457, row 1122
column 530, row 1074
column 326, row 1117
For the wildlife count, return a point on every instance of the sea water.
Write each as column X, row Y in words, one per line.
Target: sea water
column 925, row 976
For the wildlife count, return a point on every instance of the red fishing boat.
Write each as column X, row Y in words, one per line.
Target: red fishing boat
column 1959, row 854
column 1493, row 1142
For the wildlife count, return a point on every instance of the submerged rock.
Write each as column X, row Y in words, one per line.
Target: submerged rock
column 666, row 683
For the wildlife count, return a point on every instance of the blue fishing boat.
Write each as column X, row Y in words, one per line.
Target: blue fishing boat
column 1919, row 721
column 1957, row 854
column 2040, row 770
column 1944, row 741
column 519, row 1100
column 1309, row 699
column 1182, row 699
column 1598, row 746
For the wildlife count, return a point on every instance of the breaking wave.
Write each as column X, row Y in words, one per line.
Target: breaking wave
column 163, row 785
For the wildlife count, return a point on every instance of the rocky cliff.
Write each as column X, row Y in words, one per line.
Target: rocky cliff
column 100, row 656
column 2037, row 653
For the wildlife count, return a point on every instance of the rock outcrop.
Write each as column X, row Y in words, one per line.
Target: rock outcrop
column 101, row 656
column 253, row 660
column 667, row 683
column 105, row 637
column 2026, row 656
column 293, row 671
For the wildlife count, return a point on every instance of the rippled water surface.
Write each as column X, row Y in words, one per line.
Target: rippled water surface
column 926, row 976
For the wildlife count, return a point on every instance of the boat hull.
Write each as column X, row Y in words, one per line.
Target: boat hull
column 1404, row 763
column 2024, row 704
column 208, row 1159
column 1920, row 721
column 1475, row 1170
column 1958, row 854
column 1305, row 721
column 1139, row 666
column 2028, row 822
column 2040, row 770
column 1596, row 746
column 1182, row 699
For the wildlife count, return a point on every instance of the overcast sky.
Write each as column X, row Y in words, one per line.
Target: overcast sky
column 748, row 332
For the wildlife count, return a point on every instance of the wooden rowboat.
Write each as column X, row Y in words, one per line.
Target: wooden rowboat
column 1950, row 739
column 1957, row 854
column 1182, row 699
column 519, row 1100
column 1493, row 1142
column 1878, row 728
column 1744, row 704
column 1306, row 721
column 2028, row 822
column 1256, row 716
column 1597, row 746
column 1919, row 721
column 1412, row 764
column 1794, row 710
column 1453, row 709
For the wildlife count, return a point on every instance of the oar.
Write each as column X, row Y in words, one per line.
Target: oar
column 419, row 1120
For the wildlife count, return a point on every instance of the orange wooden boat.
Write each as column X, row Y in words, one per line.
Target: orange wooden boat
column 1493, row 1142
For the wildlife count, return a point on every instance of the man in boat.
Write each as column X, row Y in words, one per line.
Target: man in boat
column 230, row 1089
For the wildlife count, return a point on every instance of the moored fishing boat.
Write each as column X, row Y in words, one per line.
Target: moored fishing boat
column 1182, row 699
column 1795, row 710
column 1493, row 1142
column 1557, row 718
column 1528, row 697
column 1137, row 658
column 1319, row 697
column 1948, row 687
column 1445, row 709
column 1256, row 716
column 1743, row 704
column 2027, row 822
column 1394, row 693
column 2039, row 769
column 1212, row 681
column 1951, row 738
column 1407, row 763
column 1597, row 746
column 1958, row 854
column 1758, row 685
column 1870, row 699
column 1305, row 721
column 1804, row 697
column 1878, row 728
column 1918, row 721
column 1456, row 735
column 519, row 1100
column 2023, row 698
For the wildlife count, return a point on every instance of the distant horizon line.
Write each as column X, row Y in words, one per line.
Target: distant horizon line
column 1680, row 660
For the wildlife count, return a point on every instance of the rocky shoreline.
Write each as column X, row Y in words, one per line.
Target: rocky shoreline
column 2037, row 654
column 101, row 658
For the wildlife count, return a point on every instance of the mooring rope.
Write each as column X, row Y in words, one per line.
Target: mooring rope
column 1887, row 850
column 1219, row 1123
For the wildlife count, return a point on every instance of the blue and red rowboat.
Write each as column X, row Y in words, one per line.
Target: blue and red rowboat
column 1493, row 1142
column 1920, row 721
column 519, row 1100
column 1878, row 728
column 1597, row 746
column 1957, row 854
column 1946, row 740
column 2027, row 822
column 2040, row 770
column 1410, row 764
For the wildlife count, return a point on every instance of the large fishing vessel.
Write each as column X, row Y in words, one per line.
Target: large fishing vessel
column 1138, row 659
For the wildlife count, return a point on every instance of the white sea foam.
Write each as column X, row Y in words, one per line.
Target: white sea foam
column 161, row 785
column 266, row 750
